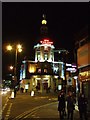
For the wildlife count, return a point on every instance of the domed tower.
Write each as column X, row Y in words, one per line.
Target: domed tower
column 44, row 49
column 44, row 28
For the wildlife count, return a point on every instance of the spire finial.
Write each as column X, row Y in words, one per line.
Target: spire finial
column 44, row 16
column 44, row 19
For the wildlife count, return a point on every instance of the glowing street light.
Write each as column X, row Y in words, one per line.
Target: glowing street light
column 18, row 48
column 9, row 47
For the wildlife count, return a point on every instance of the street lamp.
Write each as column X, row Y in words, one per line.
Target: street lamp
column 18, row 48
column 9, row 47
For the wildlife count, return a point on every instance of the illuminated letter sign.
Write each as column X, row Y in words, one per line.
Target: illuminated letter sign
column 46, row 41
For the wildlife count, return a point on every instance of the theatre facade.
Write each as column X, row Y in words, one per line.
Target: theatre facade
column 44, row 72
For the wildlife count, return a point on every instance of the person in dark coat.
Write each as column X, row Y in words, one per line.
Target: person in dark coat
column 82, row 106
column 22, row 89
column 15, row 91
column 70, row 105
column 61, row 105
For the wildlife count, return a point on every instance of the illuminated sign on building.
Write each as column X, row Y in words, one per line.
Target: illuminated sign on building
column 71, row 69
column 46, row 41
column 68, row 64
column 84, row 75
column 71, row 65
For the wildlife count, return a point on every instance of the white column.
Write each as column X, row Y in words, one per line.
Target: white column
column 42, row 53
column 49, row 54
column 35, row 55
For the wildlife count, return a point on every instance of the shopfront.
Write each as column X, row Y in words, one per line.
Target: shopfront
column 83, row 60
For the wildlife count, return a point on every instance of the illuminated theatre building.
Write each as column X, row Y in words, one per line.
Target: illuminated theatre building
column 44, row 72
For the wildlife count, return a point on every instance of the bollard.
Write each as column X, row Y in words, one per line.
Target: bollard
column 32, row 93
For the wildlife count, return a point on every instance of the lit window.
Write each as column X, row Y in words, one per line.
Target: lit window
column 45, row 70
column 45, row 47
column 45, row 57
column 51, row 57
column 38, row 57
column 44, row 22
column 39, row 70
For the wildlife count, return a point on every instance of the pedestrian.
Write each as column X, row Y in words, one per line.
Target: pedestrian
column 82, row 106
column 15, row 91
column 22, row 89
column 61, row 105
column 48, row 89
column 37, row 88
column 70, row 105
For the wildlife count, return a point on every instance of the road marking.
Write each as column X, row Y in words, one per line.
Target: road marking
column 5, row 104
column 8, row 112
column 34, row 111
column 37, row 117
column 1, row 114
column 29, row 111
column 33, row 115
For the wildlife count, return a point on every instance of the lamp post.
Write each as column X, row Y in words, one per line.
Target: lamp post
column 18, row 48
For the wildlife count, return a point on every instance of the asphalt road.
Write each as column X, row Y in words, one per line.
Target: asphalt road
column 25, row 107
column 22, row 104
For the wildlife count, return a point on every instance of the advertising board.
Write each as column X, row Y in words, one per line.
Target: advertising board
column 83, row 55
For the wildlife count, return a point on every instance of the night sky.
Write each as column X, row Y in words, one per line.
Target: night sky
column 21, row 22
